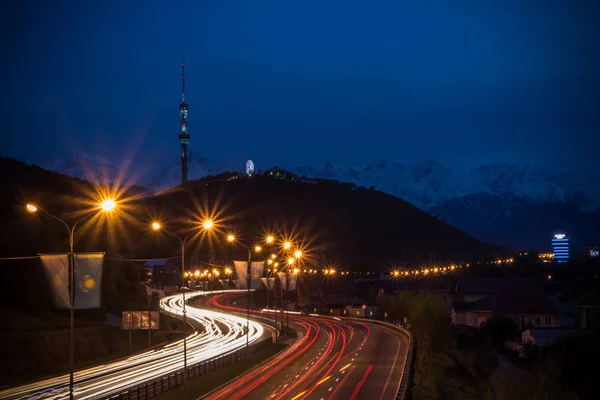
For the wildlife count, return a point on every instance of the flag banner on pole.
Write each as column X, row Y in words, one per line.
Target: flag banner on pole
column 241, row 284
column 269, row 283
column 241, row 269
column 281, row 276
column 88, row 280
column 56, row 269
column 257, row 273
column 293, row 278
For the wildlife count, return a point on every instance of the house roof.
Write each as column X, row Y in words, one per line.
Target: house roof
column 523, row 304
column 481, row 305
column 509, row 304
column 493, row 286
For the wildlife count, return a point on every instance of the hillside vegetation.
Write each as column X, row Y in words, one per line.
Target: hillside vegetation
column 337, row 222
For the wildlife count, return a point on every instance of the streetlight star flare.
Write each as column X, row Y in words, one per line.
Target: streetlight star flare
column 108, row 205
column 208, row 224
column 156, row 226
column 31, row 208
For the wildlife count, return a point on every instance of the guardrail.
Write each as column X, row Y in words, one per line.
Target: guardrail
column 168, row 381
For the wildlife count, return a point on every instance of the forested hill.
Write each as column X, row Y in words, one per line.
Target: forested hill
column 336, row 222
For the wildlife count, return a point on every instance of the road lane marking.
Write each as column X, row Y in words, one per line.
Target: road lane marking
column 391, row 369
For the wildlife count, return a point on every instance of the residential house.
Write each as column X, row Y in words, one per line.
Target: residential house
column 526, row 309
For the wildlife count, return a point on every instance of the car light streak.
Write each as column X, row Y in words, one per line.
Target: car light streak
column 222, row 334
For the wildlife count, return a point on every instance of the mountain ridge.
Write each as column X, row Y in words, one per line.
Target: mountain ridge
column 487, row 196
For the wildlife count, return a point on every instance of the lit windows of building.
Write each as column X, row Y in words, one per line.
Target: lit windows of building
column 560, row 247
column 592, row 251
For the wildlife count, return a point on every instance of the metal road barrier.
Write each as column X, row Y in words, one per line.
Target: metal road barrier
column 166, row 382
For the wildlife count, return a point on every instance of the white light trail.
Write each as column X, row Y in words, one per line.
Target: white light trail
column 104, row 380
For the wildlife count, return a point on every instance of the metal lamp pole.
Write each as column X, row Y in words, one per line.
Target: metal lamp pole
column 249, row 281
column 182, row 242
column 71, row 266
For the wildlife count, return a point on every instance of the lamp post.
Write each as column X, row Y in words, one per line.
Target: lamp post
column 207, row 225
column 106, row 206
column 269, row 240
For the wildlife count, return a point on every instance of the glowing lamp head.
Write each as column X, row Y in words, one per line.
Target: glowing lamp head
column 227, row 271
column 230, row 238
column 296, row 270
column 270, row 239
column 396, row 273
column 197, row 273
column 156, row 226
column 291, row 260
column 208, row 224
column 108, row 205
column 273, row 256
column 269, row 262
column 297, row 254
column 287, row 245
column 31, row 208
column 257, row 249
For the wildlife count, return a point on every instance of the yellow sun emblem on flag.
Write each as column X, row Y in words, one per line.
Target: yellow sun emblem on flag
column 87, row 283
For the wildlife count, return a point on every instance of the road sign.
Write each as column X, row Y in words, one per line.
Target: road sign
column 364, row 307
column 140, row 320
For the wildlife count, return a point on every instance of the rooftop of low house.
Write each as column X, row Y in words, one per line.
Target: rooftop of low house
column 520, row 303
column 493, row 286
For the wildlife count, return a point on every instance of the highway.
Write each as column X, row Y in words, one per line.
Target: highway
column 221, row 334
column 335, row 359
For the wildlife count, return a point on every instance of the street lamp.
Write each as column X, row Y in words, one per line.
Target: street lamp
column 107, row 205
column 207, row 225
column 257, row 249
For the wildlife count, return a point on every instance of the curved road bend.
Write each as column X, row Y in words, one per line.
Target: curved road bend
column 223, row 333
column 335, row 359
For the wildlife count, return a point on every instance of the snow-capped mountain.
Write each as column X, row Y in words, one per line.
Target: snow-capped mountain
column 514, row 205
column 429, row 184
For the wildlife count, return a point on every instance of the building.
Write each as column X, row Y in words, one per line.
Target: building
column 560, row 248
column 523, row 300
column 526, row 309
column 592, row 251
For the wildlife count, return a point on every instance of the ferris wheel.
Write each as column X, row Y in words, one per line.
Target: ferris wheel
column 249, row 167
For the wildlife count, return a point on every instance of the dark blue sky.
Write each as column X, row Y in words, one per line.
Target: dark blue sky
column 301, row 82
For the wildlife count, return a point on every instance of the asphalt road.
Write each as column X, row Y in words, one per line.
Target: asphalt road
column 334, row 359
column 221, row 334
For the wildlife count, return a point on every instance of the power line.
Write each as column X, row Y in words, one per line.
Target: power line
column 18, row 258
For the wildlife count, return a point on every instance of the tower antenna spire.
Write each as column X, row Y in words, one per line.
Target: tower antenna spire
column 183, row 79
column 184, row 136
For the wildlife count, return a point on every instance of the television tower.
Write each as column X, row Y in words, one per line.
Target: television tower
column 184, row 136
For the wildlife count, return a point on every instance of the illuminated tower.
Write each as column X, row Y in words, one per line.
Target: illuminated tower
column 560, row 246
column 184, row 136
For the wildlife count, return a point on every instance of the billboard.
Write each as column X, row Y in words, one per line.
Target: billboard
column 140, row 320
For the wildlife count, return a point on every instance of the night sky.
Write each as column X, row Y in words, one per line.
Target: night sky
column 290, row 83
